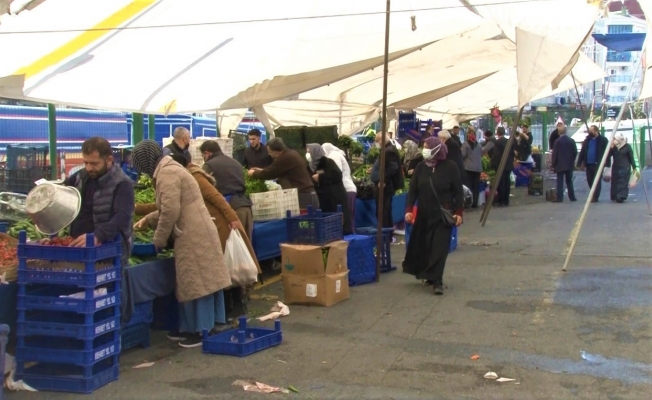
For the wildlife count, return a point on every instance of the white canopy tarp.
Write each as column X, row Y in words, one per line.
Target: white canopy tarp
column 182, row 56
column 646, row 89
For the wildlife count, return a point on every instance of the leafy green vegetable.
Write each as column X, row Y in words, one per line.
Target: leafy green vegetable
column 324, row 255
column 254, row 185
column 372, row 155
column 144, row 191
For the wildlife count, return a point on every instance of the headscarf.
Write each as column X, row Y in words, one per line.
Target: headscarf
column 620, row 140
column 411, row 150
column 472, row 138
column 146, row 156
column 436, row 143
column 330, row 148
column 316, row 153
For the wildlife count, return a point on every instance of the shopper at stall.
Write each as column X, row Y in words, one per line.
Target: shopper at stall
column 455, row 135
column 393, row 179
column 435, row 182
column 256, row 155
column 107, row 198
column 591, row 154
column 180, row 144
column 621, row 168
column 229, row 180
column 563, row 164
column 328, row 184
column 523, row 144
column 290, row 170
column 182, row 216
column 504, row 181
column 340, row 160
column 413, row 157
column 472, row 155
column 454, row 153
column 554, row 135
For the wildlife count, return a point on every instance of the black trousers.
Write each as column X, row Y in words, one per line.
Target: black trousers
column 504, row 186
column 591, row 176
column 568, row 177
column 474, row 182
column 388, row 220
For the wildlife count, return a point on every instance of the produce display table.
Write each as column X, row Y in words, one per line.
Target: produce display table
column 266, row 238
column 146, row 282
column 365, row 211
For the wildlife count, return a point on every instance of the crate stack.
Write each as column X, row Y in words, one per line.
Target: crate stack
column 274, row 204
column 26, row 163
column 68, row 336
column 135, row 332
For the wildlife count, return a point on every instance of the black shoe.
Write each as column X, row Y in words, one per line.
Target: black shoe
column 426, row 282
column 620, row 201
column 573, row 199
column 177, row 336
column 594, row 201
column 438, row 288
column 193, row 340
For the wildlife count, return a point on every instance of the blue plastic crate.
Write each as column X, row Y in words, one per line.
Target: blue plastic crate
column 68, row 325
column 360, row 259
column 143, row 250
column 166, row 313
column 67, row 351
column 242, row 341
column 47, row 298
column 315, row 228
column 4, row 333
column 143, row 314
column 4, row 226
column 78, row 279
column 453, row 244
column 75, row 254
column 70, row 378
column 136, row 335
column 386, row 253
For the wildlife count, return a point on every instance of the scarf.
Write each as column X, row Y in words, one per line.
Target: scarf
column 316, row 153
column 146, row 156
column 330, row 148
column 441, row 152
column 620, row 140
column 411, row 150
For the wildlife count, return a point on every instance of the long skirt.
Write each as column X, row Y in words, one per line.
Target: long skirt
column 427, row 249
column 620, row 185
column 203, row 313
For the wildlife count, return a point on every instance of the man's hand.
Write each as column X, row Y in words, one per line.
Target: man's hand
column 235, row 225
column 81, row 241
column 458, row 220
column 315, row 177
column 141, row 225
column 251, row 172
column 409, row 218
column 410, row 172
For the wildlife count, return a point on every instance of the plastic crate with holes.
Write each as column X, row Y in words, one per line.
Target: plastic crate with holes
column 135, row 332
column 316, row 228
column 226, row 144
column 68, row 329
column 243, row 340
column 274, row 204
column 360, row 259
column 386, row 253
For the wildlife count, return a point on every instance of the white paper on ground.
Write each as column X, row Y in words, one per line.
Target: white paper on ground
column 491, row 375
column 278, row 310
column 505, row 380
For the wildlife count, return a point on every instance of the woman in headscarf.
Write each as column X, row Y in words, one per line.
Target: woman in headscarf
column 339, row 158
column 435, row 183
column 413, row 157
column 181, row 215
column 621, row 167
column 327, row 178
column 472, row 155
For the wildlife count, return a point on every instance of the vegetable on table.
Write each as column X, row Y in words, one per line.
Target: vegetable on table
column 8, row 254
column 254, row 185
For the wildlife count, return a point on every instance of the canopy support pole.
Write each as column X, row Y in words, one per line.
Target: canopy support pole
column 381, row 184
column 501, row 169
column 52, row 135
column 151, row 127
column 577, row 92
column 137, row 129
column 575, row 233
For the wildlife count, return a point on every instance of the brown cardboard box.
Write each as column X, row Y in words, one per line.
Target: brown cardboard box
column 307, row 281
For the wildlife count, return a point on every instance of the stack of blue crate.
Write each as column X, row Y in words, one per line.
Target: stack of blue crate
column 68, row 336
column 135, row 332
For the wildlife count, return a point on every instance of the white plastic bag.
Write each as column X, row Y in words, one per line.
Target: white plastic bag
column 606, row 174
column 241, row 265
column 633, row 179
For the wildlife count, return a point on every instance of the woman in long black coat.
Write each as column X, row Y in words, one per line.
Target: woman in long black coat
column 621, row 168
column 328, row 183
column 430, row 240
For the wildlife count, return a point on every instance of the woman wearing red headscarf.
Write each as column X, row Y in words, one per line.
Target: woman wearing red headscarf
column 472, row 156
column 437, row 186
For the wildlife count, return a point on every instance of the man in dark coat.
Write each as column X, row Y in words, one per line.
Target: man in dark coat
column 504, row 183
column 256, row 155
column 180, row 144
column 554, row 135
column 455, row 135
column 454, row 154
column 563, row 163
column 393, row 178
column 593, row 149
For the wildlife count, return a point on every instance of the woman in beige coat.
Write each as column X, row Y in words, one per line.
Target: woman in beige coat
column 201, row 271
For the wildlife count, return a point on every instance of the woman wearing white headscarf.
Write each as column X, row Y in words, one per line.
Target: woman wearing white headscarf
column 339, row 158
column 621, row 167
column 327, row 178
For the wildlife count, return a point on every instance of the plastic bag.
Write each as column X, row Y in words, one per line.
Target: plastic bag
column 241, row 265
column 633, row 179
column 606, row 174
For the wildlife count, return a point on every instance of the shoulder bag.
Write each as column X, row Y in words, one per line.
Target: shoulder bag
column 446, row 216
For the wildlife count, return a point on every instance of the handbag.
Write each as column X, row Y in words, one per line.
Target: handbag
column 446, row 216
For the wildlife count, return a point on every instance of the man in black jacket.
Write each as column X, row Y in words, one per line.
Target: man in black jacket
column 256, row 155
column 180, row 144
column 455, row 135
column 554, row 135
column 504, row 183
column 393, row 178
column 591, row 154
column 563, row 163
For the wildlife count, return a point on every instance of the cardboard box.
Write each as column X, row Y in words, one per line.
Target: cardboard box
column 306, row 280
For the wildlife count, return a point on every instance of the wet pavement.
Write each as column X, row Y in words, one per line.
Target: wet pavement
column 584, row 333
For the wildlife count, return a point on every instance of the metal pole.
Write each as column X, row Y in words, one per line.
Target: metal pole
column 578, row 225
column 586, row 123
column 381, row 185
column 151, row 127
column 501, row 169
column 52, row 135
column 137, row 131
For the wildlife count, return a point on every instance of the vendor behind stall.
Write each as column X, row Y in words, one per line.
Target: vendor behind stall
column 180, row 144
column 290, row 170
column 107, row 198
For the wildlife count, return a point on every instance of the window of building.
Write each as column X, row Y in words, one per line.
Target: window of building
column 619, row 78
column 620, row 29
column 614, row 56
